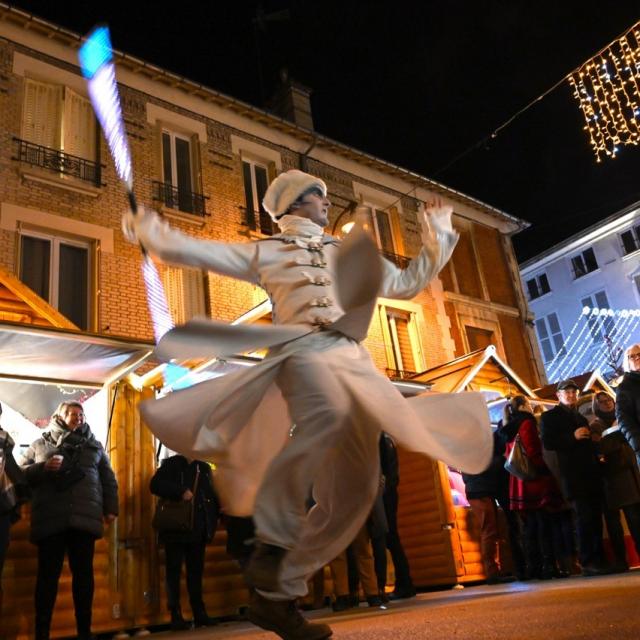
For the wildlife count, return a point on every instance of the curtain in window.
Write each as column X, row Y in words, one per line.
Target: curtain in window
column 184, row 288
column 78, row 126
column 73, row 284
column 35, row 259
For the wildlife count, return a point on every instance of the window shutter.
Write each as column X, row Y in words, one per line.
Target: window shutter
column 78, row 126
column 385, row 235
column 185, row 293
column 42, row 113
column 404, row 342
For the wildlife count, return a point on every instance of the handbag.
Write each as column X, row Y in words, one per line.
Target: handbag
column 175, row 516
column 518, row 463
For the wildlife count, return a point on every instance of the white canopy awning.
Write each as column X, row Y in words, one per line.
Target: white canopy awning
column 40, row 367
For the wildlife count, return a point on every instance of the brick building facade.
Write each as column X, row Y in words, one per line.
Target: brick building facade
column 202, row 158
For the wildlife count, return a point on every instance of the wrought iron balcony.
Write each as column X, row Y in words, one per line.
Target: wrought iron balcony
column 57, row 161
column 180, row 199
column 400, row 261
column 397, row 374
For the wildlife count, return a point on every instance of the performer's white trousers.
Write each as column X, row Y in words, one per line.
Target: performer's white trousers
column 334, row 452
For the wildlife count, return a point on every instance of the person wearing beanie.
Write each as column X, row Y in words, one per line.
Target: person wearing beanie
column 316, row 376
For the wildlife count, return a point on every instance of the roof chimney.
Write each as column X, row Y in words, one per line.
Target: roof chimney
column 292, row 102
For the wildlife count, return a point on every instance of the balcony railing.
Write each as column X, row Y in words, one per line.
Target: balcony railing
column 397, row 374
column 400, row 261
column 180, row 199
column 57, row 161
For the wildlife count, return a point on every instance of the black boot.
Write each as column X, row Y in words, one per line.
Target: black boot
column 201, row 618
column 283, row 618
column 178, row 623
column 263, row 568
column 341, row 603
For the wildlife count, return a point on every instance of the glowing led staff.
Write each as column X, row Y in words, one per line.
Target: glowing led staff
column 96, row 62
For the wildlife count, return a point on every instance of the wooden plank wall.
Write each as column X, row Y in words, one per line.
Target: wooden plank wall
column 422, row 514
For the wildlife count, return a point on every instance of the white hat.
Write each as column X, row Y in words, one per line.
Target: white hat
column 287, row 188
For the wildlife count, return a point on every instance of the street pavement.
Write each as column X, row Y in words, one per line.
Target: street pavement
column 602, row 608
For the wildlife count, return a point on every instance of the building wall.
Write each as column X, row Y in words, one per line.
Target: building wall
column 224, row 137
column 614, row 275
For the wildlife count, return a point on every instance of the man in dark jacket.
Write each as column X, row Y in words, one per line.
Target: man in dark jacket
column 565, row 430
column 179, row 478
column 483, row 490
column 628, row 399
column 74, row 494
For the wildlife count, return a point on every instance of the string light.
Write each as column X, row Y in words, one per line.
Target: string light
column 560, row 352
column 608, row 92
column 593, row 322
column 571, row 350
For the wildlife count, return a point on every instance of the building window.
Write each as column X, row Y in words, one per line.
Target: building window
column 584, row 263
column 378, row 223
column 599, row 328
column 549, row 336
column 404, row 354
column 177, row 190
column 57, row 269
column 478, row 338
column 256, row 181
column 630, row 240
column 538, row 286
column 59, row 131
column 184, row 288
column 636, row 279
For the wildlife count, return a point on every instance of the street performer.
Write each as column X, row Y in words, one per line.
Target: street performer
column 307, row 419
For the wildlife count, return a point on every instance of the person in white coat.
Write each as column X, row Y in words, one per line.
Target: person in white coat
column 316, row 376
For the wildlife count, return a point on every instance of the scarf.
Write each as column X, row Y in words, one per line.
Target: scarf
column 304, row 228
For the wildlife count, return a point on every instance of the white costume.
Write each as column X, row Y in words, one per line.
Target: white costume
column 316, row 376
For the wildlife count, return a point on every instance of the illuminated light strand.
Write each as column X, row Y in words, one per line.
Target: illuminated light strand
column 566, row 341
column 629, row 321
column 632, row 322
column 606, row 88
column 576, row 357
column 569, row 349
column 607, row 316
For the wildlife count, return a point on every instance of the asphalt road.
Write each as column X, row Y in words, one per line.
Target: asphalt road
column 599, row 608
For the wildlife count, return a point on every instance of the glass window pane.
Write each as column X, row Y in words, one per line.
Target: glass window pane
column 544, row 283
column 590, row 260
column 35, row 256
column 532, row 286
column 384, row 231
column 578, row 266
column 266, row 224
column 183, row 175
column 541, row 327
column 167, row 175
column 73, row 298
column 248, row 193
column 554, row 325
column 547, row 351
column 628, row 241
column 587, row 302
column 602, row 300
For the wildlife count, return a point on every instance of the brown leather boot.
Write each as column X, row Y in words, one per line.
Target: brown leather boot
column 283, row 618
column 263, row 568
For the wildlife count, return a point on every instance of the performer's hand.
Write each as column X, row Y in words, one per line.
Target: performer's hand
column 187, row 495
column 435, row 219
column 134, row 226
column 109, row 518
column 582, row 433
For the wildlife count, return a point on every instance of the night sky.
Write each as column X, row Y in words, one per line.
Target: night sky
column 415, row 83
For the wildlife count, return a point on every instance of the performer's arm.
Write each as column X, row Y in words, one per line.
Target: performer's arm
column 170, row 245
column 439, row 240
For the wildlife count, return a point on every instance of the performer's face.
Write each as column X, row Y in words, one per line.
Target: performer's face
column 315, row 207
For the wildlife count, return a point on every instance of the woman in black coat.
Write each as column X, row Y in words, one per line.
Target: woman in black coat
column 180, row 478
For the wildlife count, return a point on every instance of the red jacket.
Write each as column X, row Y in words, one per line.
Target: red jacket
column 543, row 492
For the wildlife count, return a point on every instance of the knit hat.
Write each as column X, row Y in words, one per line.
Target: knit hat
column 287, row 188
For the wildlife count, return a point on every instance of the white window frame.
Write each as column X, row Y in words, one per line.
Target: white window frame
column 390, row 336
column 373, row 210
column 550, row 335
column 537, row 280
column 262, row 164
column 580, row 255
column 54, row 266
column 173, row 179
column 634, row 230
column 599, row 338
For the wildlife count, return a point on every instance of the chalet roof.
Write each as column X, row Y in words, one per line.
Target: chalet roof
column 479, row 370
column 590, row 380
